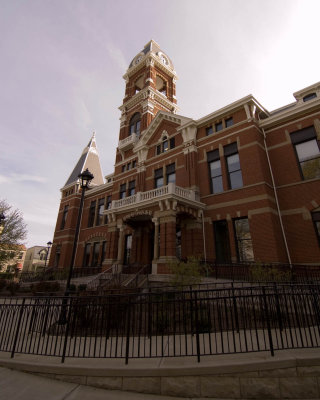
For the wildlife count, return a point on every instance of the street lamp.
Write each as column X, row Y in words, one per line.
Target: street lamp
column 49, row 244
column 85, row 179
column 2, row 218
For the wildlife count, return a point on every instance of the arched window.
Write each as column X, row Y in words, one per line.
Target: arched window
column 165, row 144
column 134, row 126
column 138, row 85
column 161, row 85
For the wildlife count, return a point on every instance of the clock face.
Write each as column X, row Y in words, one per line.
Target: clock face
column 138, row 60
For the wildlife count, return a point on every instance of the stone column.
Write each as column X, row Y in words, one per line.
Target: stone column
column 168, row 235
column 155, row 245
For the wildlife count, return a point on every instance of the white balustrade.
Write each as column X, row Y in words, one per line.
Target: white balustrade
column 139, row 197
column 128, row 141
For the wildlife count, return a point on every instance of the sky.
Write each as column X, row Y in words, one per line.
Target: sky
column 61, row 68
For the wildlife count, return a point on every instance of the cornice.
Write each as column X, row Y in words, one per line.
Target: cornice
column 143, row 63
column 231, row 108
column 148, row 93
column 290, row 113
column 97, row 189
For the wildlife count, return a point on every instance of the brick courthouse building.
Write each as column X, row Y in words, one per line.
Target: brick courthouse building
column 239, row 184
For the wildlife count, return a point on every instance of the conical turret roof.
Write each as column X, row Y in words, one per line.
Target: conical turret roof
column 88, row 159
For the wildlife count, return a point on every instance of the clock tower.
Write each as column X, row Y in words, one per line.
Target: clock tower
column 150, row 87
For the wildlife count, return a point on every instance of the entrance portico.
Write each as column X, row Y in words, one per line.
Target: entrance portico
column 157, row 227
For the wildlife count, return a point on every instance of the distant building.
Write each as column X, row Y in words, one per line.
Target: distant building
column 35, row 258
column 241, row 184
column 15, row 263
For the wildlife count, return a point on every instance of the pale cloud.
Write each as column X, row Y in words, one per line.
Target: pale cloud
column 20, row 178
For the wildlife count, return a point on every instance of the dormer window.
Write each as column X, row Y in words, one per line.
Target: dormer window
column 309, row 96
column 135, row 123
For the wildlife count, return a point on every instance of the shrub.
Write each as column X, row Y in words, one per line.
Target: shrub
column 261, row 273
column 3, row 284
column 13, row 287
column 186, row 273
column 45, row 287
column 6, row 276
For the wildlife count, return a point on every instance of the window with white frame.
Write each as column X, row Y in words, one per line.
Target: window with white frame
column 307, row 151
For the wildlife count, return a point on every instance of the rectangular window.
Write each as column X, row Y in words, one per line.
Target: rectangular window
column 129, row 166
column 171, row 173
column 316, row 222
column 229, row 122
column 123, row 168
column 86, row 255
column 64, row 217
column 131, row 188
column 214, row 164
column 99, row 219
column 233, row 166
column 165, row 145
column 307, row 151
column 108, row 206
column 172, row 143
column 96, row 251
column 158, row 178
column 134, row 163
column 218, row 126
column 92, row 212
column 209, row 130
column 158, row 149
column 243, row 239
column 123, row 191
column 109, row 202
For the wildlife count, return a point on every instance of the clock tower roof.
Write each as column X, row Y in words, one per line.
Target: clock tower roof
column 153, row 48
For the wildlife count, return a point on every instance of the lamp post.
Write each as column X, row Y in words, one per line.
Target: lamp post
column 2, row 218
column 85, row 179
column 49, row 244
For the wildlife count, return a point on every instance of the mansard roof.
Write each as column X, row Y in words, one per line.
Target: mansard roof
column 154, row 48
column 88, row 159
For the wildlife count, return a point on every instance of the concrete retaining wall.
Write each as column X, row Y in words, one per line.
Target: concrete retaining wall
column 283, row 377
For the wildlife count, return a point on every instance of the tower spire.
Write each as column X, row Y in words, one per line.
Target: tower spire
column 88, row 159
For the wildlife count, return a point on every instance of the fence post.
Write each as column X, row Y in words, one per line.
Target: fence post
column 18, row 328
column 235, row 308
column 197, row 324
column 67, row 326
column 268, row 319
column 278, row 307
column 128, row 329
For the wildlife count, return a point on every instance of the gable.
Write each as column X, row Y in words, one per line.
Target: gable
column 152, row 134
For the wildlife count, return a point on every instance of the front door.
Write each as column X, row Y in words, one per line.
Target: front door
column 222, row 244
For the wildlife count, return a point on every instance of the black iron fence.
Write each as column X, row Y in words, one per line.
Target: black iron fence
column 164, row 324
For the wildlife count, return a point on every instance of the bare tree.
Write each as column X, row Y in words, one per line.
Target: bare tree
column 13, row 234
